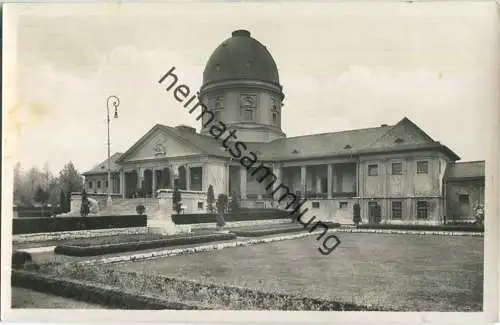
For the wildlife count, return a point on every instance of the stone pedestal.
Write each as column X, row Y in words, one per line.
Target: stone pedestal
column 161, row 222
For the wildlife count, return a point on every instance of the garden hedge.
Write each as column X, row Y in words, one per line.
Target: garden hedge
column 92, row 293
column 240, row 215
column 452, row 227
column 88, row 250
column 40, row 225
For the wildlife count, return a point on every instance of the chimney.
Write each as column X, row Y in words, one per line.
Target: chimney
column 382, row 125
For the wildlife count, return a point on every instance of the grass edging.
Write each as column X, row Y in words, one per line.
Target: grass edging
column 411, row 232
column 139, row 245
column 92, row 293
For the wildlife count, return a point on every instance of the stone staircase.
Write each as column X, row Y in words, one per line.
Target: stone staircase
column 128, row 206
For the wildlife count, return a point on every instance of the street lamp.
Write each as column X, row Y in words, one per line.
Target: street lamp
column 115, row 101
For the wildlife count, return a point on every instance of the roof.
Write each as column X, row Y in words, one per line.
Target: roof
column 103, row 166
column 241, row 57
column 403, row 136
column 324, row 144
column 467, row 170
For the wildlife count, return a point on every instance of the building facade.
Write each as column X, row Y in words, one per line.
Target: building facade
column 397, row 167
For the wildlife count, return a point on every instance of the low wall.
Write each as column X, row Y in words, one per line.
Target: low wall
column 234, row 224
column 192, row 201
column 65, row 235
column 76, row 200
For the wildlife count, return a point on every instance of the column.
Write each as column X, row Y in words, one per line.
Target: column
column 330, row 180
column 303, row 179
column 228, row 175
column 318, row 184
column 122, row 183
column 243, row 183
column 140, row 177
column 173, row 175
column 278, row 172
column 153, row 183
column 188, row 177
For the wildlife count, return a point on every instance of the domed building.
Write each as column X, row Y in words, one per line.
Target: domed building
column 242, row 151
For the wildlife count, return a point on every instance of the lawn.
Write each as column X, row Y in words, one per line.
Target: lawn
column 24, row 298
column 406, row 272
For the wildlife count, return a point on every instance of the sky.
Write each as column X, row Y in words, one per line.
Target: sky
column 342, row 66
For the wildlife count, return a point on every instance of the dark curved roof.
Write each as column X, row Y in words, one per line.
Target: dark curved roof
column 241, row 57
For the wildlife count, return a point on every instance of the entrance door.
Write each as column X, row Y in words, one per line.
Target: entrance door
column 464, row 206
column 372, row 210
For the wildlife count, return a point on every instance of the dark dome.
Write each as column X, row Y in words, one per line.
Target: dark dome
column 241, row 57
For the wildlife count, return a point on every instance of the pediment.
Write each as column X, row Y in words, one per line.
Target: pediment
column 403, row 133
column 159, row 144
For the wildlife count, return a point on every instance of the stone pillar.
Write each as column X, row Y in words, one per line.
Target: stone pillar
column 330, row 180
column 318, row 184
column 122, row 183
column 188, row 177
column 174, row 174
column 243, row 182
column 278, row 172
column 228, row 175
column 153, row 183
column 140, row 177
column 303, row 180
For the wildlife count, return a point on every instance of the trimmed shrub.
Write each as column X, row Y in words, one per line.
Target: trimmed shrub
column 177, row 199
column 210, row 199
column 356, row 214
column 86, row 250
column 19, row 259
column 222, row 203
column 140, row 209
column 39, row 225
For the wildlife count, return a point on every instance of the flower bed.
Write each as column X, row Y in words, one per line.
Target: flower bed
column 93, row 250
column 452, row 227
column 196, row 249
column 101, row 294
column 57, row 224
column 211, row 295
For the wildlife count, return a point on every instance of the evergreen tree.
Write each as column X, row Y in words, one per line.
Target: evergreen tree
column 177, row 199
column 210, row 199
column 70, row 179
column 356, row 214
column 222, row 202
column 62, row 201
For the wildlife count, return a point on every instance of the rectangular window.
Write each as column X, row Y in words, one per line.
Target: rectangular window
column 248, row 115
column 315, row 205
column 200, row 205
column 397, row 168
column 98, row 184
column 373, row 170
column 343, row 205
column 463, row 198
column 397, row 209
column 275, row 118
column 422, row 210
column 422, row 167
column 107, row 184
column 90, row 184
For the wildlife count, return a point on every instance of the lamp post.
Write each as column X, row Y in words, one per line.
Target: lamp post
column 115, row 101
